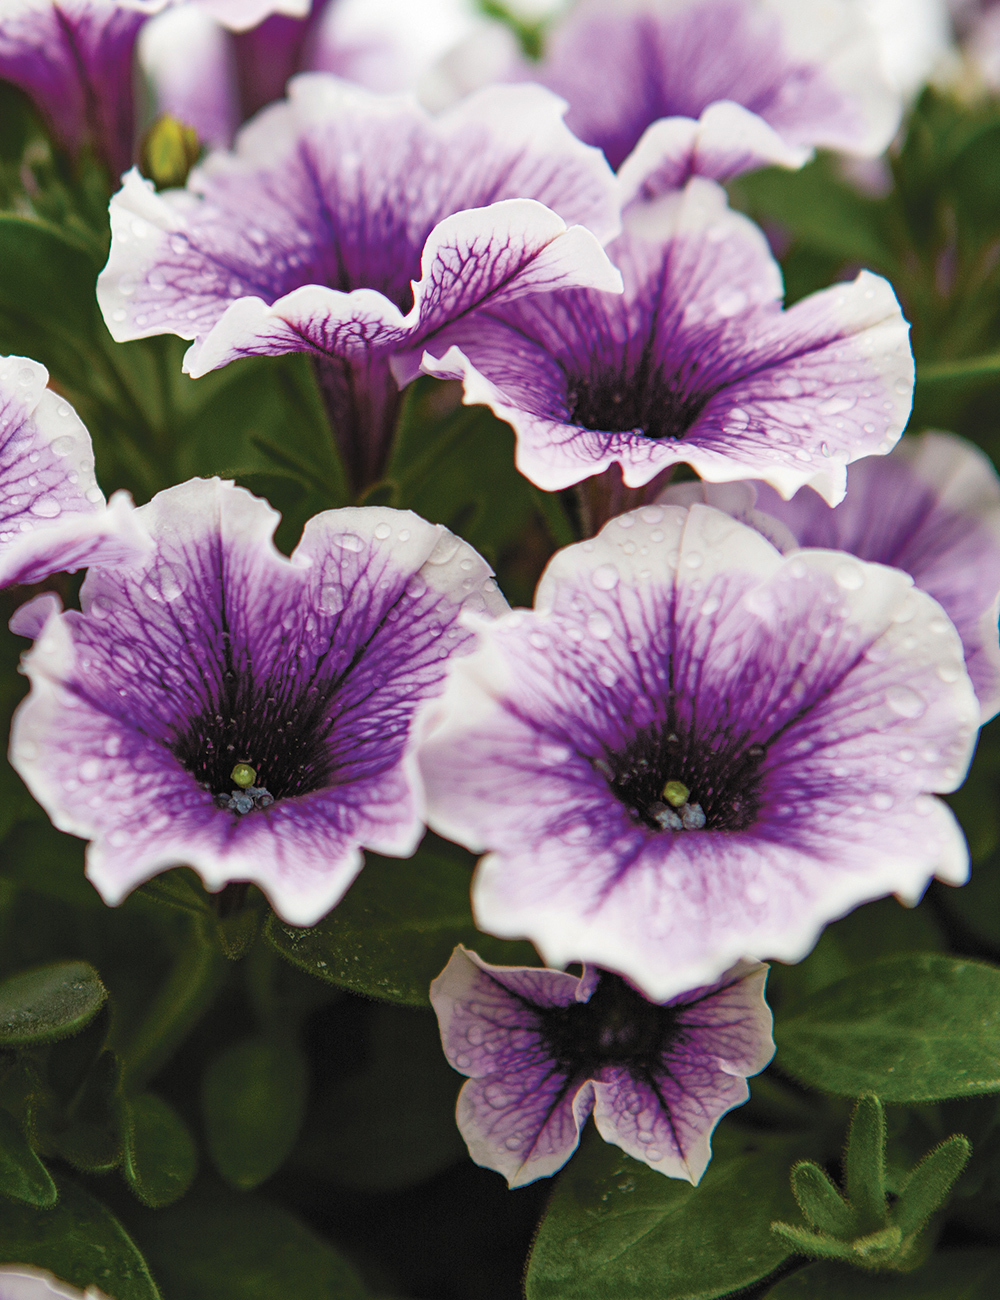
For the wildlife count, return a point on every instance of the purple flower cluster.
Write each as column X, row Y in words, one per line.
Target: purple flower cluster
column 726, row 719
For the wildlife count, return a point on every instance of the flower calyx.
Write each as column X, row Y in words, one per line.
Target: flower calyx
column 863, row 1225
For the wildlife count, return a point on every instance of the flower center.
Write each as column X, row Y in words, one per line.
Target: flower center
column 658, row 405
column 616, row 1027
column 672, row 782
column 257, row 744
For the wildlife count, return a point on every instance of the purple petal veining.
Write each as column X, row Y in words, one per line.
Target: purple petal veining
column 693, row 749
column 932, row 508
column 696, row 362
column 544, row 1049
column 214, row 650
column 52, row 513
column 355, row 227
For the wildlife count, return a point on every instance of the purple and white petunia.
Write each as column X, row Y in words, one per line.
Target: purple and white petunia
column 355, row 227
column 52, row 513
column 218, row 705
column 694, row 750
column 931, row 507
column 74, row 58
column 810, row 74
column 543, row 1050
column 696, row 362
column 214, row 79
column 22, row 1282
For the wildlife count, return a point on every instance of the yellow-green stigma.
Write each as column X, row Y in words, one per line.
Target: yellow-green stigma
column 244, row 775
column 676, row 793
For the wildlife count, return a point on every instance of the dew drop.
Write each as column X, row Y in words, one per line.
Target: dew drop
column 849, row 576
column 349, row 542
column 331, row 598
column 382, row 531
column 605, row 577
column 46, row 508
column 905, row 701
column 599, row 626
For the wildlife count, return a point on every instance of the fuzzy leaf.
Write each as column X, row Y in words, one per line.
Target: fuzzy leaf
column 48, row 1003
column 918, row 1027
column 80, row 1241
column 395, row 930
column 930, row 1183
column 864, row 1165
column 820, row 1202
column 23, row 1177
column 160, row 1156
column 253, row 1098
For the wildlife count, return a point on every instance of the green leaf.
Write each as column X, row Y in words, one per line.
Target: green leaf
column 48, row 1003
column 931, row 1181
column 160, row 1156
column 253, row 1099
column 215, row 1246
column 395, row 930
column 864, row 1165
column 616, row 1228
column 23, row 1177
column 393, row 1123
column 91, row 1139
column 80, row 1241
column 910, row 1028
column 950, row 1275
column 820, row 1202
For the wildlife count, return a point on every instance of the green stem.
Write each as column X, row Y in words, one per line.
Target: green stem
column 187, row 993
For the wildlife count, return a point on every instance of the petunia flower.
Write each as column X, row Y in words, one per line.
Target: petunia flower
column 52, row 513
column 694, row 750
column 543, row 1050
column 74, row 58
column 678, row 77
column 218, row 705
column 214, row 79
column 22, row 1282
column 355, row 227
column 696, row 363
column 931, row 507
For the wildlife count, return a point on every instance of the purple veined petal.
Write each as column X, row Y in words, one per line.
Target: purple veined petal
column 932, row 508
column 808, row 705
column 74, row 58
column 725, row 141
column 695, row 363
column 52, row 513
column 187, row 58
column 541, row 1048
column 666, row 1117
column 519, row 1114
column 812, row 73
column 289, row 212
column 22, row 1282
column 214, row 650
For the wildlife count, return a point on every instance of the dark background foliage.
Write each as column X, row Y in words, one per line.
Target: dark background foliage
column 200, row 1103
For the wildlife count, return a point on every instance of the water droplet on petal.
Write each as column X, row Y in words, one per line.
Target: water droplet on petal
column 382, row 531
column 849, row 576
column 599, row 626
column 46, row 508
column 331, row 598
column 905, row 701
column 349, row 542
column 605, row 577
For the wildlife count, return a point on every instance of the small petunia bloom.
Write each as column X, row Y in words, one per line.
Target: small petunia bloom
column 52, row 513
column 218, row 705
column 808, row 75
column 697, row 362
column 931, row 507
column 22, row 1282
column 354, row 227
column 694, row 749
column 544, row 1049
